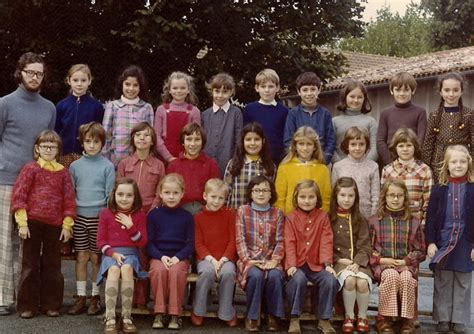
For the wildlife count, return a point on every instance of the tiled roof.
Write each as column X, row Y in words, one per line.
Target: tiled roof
column 357, row 61
column 429, row 64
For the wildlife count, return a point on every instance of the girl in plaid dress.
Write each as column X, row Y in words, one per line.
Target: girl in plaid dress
column 252, row 157
column 398, row 247
column 408, row 167
column 259, row 242
column 124, row 113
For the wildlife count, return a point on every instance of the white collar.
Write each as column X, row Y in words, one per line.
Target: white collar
column 273, row 103
column 225, row 107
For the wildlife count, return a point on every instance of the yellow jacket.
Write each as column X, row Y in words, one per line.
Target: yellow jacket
column 294, row 171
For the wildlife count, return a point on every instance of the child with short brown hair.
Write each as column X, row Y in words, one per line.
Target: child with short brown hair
column 222, row 121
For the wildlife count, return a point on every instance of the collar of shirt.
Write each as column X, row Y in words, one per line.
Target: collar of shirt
column 273, row 103
column 408, row 166
column 52, row 166
column 225, row 107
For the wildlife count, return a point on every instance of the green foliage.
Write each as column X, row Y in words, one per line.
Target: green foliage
column 453, row 22
column 394, row 35
column 241, row 38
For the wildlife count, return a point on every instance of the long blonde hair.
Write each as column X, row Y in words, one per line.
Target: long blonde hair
column 177, row 75
column 444, row 171
column 308, row 133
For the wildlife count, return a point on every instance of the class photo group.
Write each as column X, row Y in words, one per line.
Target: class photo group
column 267, row 199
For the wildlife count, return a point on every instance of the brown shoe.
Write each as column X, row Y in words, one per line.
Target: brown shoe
column 52, row 313
column 251, row 325
column 94, row 307
column 79, row 306
column 196, row 320
column 408, row 326
column 294, row 325
column 272, row 324
column 27, row 314
column 324, row 325
column 128, row 326
column 233, row 322
column 384, row 325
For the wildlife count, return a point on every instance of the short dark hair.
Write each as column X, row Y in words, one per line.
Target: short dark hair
column 257, row 180
column 307, row 79
column 350, row 86
column 136, row 72
column 25, row 59
column 354, row 132
column 191, row 128
column 94, row 129
column 137, row 199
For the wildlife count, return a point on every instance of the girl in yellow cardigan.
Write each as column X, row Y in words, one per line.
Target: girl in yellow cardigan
column 305, row 160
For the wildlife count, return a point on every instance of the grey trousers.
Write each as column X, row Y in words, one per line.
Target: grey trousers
column 452, row 296
column 207, row 277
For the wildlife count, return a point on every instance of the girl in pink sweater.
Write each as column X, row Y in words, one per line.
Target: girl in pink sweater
column 177, row 110
column 122, row 231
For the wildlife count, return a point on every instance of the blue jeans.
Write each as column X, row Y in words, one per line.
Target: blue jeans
column 327, row 284
column 270, row 283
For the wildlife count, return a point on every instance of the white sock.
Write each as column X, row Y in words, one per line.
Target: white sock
column 349, row 298
column 363, row 304
column 81, row 288
column 95, row 289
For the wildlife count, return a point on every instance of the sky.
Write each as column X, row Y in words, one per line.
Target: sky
column 372, row 6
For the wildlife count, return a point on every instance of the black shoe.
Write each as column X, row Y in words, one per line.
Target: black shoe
column 442, row 327
column 459, row 328
column 4, row 310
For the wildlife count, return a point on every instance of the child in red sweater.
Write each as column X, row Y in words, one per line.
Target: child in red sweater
column 122, row 231
column 44, row 204
column 309, row 255
column 216, row 254
column 195, row 166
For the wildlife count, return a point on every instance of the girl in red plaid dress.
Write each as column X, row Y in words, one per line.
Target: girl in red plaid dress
column 397, row 248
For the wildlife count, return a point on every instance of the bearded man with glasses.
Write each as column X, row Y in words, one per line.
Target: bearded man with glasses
column 23, row 115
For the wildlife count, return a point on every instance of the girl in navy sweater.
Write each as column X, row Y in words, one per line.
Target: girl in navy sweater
column 450, row 236
column 170, row 246
column 122, row 231
column 79, row 108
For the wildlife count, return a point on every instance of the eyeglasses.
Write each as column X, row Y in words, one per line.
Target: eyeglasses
column 48, row 147
column 397, row 196
column 31, row 74
column 261, row 191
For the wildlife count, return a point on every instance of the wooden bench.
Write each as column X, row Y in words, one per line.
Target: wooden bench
column 193, row 277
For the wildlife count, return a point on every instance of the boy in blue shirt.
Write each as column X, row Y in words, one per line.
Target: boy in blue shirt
column 309, row 113
column 93, row 177
column 222, row 121
column 268, row 112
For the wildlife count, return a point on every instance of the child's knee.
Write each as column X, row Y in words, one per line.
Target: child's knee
column 113, row 273
column 350, row 283
column 82, row 257
column 126, row 272
column 362, row 285
column 95, row 258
